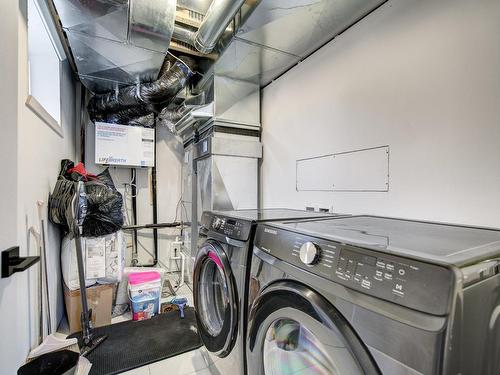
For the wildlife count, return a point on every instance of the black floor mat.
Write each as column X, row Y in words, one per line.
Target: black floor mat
column 133, row 344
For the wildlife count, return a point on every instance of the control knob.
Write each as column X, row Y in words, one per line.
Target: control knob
column 217, row 223
column 309, row 253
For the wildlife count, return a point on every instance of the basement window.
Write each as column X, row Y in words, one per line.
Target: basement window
column 45, row 58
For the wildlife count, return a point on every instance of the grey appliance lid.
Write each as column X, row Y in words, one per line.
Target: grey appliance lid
column 274, row 214
column 437, row 242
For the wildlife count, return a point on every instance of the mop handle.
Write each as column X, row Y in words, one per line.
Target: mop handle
column 40, row 205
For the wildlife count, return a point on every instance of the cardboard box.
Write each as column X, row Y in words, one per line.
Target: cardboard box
column 100, row 300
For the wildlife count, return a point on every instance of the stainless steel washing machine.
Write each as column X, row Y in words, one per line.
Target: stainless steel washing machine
column 373, row 295
column 220, row 280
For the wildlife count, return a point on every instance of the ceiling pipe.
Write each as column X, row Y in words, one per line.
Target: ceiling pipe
column 218, row 17
column 183, row 34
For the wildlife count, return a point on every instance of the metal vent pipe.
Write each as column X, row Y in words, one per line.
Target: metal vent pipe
column 218, row 16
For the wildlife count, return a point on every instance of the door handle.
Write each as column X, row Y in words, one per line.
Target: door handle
column 12, row 262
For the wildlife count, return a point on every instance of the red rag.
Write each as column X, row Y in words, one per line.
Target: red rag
column 80, row 169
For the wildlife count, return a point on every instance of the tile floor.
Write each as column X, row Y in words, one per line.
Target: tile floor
column 194, row 362
column 191, row 363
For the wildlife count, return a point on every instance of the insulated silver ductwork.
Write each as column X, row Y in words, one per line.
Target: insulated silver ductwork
column 218, row 17
column 117, row 42
column 183, row 34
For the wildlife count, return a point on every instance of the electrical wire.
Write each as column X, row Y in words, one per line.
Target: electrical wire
column 129, row 185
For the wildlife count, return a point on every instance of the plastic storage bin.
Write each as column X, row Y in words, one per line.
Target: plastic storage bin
column 144, row 293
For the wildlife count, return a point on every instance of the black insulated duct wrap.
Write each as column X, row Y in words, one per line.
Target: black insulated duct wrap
column 139, row 100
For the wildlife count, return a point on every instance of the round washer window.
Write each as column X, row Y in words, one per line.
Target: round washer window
column 290, row 348
column 213, row 297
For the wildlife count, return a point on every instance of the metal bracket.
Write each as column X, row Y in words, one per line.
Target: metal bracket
column 12, row 262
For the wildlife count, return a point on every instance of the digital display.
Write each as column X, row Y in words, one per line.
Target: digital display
column 231, row 222
column 358, row 257
column 371, row 261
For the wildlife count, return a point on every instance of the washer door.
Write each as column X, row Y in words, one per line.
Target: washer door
column 293, row 330
column 215, row 299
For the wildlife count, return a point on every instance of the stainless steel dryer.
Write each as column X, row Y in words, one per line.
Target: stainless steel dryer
column 371, row 295
column 220, row 280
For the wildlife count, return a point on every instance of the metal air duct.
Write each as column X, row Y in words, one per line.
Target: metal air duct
column 218, row 17
column 117, row 42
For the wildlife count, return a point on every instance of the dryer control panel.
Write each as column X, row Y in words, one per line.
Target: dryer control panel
column 229, row 227
column 418, row 285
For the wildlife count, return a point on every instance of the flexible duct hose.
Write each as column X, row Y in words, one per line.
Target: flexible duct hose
column 139, row 100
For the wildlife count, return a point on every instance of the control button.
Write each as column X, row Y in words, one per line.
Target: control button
column 388, row 276
column 390, row 266
column 366, row 284
column 341, row 264
column 378, row 273
column 341, row 275
column 401, row 272
column 351, row 266
column 309, row 253
column 380, row 264
column 398, row 290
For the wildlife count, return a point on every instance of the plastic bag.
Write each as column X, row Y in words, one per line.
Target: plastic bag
column 114, row 252
column 105, row 178
column 104, row 210
column 115, row 258
column 99, row 205
column 69, row 265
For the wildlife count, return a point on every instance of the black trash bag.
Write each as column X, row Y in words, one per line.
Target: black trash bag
column 55, row 363
column 104, row 210
column 106, row 179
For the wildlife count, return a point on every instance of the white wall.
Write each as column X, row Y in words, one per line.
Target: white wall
column 13, row 299
column 170, row 161
column 170, row 155
column 420, row 76
column 30, row 167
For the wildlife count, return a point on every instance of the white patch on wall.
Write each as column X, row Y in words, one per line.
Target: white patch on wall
column 358, row 170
